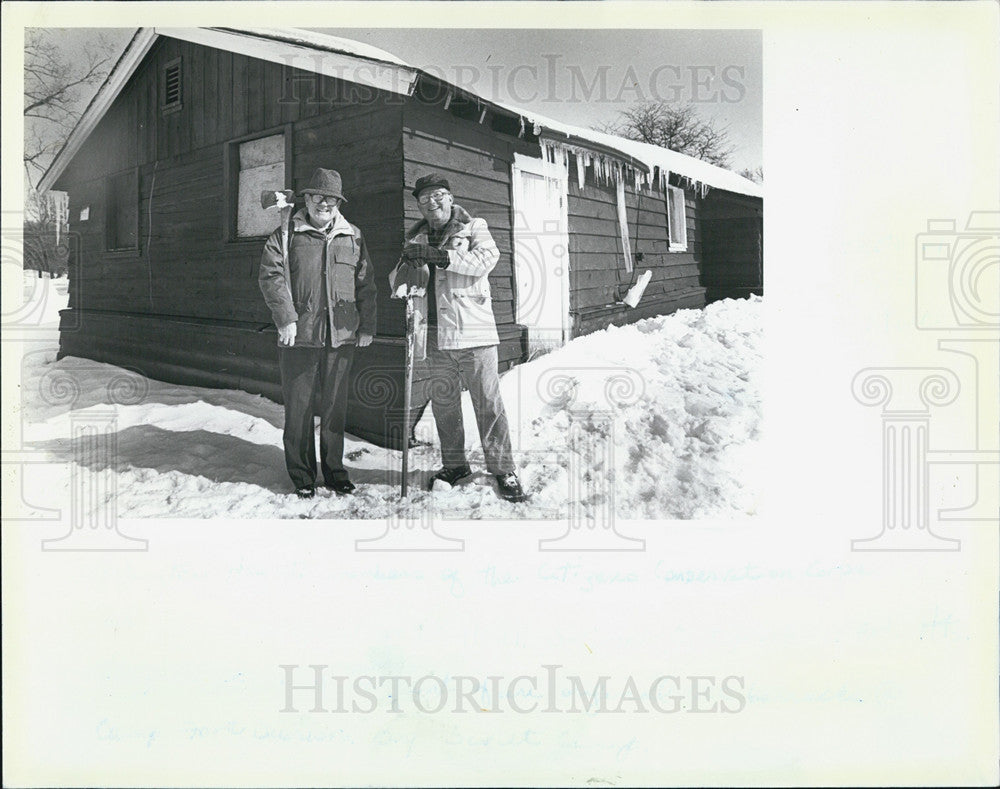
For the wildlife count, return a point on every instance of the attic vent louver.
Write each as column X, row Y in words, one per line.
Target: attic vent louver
column 172, row 86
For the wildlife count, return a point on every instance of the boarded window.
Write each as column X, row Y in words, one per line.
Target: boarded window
column 173, row 86
column 677, row 219
column 122, row 195
column 261, row 165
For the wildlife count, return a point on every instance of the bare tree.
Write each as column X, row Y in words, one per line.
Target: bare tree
column 755, row 174
column 57, row 84
column 677, row 127
column 55, row 87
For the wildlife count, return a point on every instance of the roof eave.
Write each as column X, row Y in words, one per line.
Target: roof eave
column 129, row 60
column 592, row 145
column 376, row 74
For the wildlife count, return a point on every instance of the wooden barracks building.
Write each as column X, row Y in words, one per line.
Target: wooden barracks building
column 165, row 168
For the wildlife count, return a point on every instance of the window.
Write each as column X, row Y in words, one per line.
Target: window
column 677, row 219
column 256, row 166
column 122, row 200
column 172, row 86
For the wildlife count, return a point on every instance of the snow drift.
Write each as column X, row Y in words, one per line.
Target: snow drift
column 658, row 419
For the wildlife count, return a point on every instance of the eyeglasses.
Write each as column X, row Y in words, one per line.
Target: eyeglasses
column 317, row 199
column 437, row 197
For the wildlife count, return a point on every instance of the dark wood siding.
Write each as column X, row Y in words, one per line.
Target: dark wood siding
column 733, row 237
column 185, row 305
column 477, row 161
column 185, row 264
column 598, row 278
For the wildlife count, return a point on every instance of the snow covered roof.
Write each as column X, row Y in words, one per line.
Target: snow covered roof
column 644, row 153
column 321, row 41
column 657, row 156
column 351, row 60
column 341, row 58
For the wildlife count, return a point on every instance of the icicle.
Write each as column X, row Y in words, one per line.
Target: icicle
column 521, row 133
column 580, row 170
column 536, row 129
column 59, row 205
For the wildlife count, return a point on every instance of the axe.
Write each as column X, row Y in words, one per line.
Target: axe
column 283, row 200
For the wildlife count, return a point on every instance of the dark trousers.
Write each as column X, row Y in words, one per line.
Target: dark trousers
column 306, row 373
column 476, row 368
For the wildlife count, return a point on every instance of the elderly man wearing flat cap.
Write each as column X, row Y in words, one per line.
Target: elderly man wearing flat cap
column 323, row 303
column 453, row 254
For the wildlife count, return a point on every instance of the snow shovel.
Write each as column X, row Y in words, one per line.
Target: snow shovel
column 407, row 387
column 408, row 290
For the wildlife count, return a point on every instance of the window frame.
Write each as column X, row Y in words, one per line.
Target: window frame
column 109, row 205
column 676, row 195
column 231, row 180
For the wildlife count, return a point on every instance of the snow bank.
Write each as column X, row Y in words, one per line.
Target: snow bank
column 682, row 397
column 660, row 419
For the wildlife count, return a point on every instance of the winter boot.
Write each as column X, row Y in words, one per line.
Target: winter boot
column 509, row 487
column 450, row 475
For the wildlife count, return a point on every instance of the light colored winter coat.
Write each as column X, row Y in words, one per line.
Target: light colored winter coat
column 464, row 304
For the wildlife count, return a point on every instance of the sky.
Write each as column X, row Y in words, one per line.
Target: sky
column 587, row 77
column 583, row 77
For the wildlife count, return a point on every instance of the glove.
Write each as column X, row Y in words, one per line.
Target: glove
column 425, row 253
column 409, row 278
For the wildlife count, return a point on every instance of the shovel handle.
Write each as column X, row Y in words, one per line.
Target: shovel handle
column 407, row 393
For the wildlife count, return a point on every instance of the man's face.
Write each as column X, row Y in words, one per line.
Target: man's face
column 435, row 204
column 322, row 209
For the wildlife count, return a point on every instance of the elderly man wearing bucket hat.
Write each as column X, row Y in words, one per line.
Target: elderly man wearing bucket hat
column 461, row 333
column 320, row 289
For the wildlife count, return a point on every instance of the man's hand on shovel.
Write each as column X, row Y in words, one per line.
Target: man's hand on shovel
column 410, row 281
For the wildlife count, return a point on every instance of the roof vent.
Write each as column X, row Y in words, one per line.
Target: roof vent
column 172, row 85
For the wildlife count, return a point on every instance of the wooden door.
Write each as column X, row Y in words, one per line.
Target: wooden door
column 541, row 252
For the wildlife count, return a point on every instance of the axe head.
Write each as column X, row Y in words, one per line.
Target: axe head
column 282, row 199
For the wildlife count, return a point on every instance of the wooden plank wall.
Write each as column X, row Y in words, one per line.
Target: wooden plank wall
column 184, row 264
column 477, row 161
column 185, row 305
column 598, row 278
column 732, row 231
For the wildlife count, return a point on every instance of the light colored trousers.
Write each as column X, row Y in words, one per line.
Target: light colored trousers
column 476, row 369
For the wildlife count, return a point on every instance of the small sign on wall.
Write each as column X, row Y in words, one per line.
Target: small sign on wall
column 85, row 213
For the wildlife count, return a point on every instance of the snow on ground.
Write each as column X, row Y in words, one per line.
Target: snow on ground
column 661, row 417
